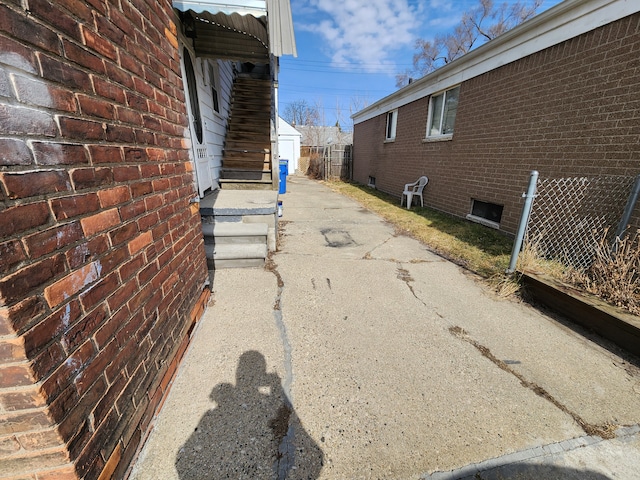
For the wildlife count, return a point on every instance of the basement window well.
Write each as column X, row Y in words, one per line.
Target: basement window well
column 488, row 214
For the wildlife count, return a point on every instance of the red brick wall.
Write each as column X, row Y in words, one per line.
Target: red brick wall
column 570, row 110
column 101, row 256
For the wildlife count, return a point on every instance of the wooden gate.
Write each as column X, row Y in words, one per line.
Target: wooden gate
column 337, row 162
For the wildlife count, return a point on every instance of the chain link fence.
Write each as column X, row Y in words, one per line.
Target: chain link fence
column 571, row 216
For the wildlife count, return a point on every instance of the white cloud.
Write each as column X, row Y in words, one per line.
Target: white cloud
column 441, row 4
column 362, row 32
column 446, row 22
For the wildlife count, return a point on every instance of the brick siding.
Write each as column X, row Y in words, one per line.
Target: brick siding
column 102, row 261
column 570, row 110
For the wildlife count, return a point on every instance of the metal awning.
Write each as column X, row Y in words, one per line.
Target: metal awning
column 257, row 8
column 247, row 30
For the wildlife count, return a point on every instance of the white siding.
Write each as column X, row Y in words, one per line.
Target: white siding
column 214, row 123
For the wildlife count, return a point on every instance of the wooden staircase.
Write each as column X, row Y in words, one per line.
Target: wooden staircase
column 246, row 162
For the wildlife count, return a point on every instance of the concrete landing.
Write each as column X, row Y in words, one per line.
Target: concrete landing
column 240, row 202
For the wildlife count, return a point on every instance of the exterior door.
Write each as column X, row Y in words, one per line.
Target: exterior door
column 198, row 146
column 287, row 152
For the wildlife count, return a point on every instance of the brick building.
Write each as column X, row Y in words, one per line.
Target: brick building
column 102, row 259
column 558, row 94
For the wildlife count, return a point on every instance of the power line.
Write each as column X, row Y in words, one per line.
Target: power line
column 288, row 87
column 353, row 71
column 344, row 64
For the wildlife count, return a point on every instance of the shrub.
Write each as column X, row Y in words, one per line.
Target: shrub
column 315, row 170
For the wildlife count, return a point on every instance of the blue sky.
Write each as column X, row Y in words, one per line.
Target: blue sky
column 349, row 51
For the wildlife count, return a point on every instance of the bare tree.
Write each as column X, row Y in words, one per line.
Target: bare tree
column 299, row 112
column 482, row 23
column 358, row 103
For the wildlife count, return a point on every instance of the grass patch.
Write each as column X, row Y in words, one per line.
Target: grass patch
column 480, row 249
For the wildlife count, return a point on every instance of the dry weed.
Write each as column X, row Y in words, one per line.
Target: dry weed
column 505, row 285
column 614, row 274
column 532, row 260
column 315, row 170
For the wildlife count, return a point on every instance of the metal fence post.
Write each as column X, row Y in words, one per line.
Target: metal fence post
column 524, row 220
column 628, row 209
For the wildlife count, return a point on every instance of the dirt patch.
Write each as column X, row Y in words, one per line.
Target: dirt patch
column 337, row 238
column 282, row 232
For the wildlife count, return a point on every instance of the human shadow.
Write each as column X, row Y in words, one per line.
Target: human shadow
column 253, row 432
column 533, row 471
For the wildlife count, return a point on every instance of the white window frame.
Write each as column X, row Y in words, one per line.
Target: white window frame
column 438, row 135
column 391, row 126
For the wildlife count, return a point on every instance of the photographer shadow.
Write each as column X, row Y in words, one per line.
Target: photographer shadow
column 253, row 432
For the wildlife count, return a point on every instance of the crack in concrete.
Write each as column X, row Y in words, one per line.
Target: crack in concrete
column 404, row 275
column 285, row 457
column 284, row 433
column 367, row 256
column 602, row 431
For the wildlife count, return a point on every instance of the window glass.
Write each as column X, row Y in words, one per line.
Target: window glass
column 450, row 108
column 392, row 118
column 442, row 112
column 488, row 211
column 193, row 95
column 214, row 89
column 436, row 114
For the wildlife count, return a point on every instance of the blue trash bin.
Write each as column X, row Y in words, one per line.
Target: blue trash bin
column 284, row 171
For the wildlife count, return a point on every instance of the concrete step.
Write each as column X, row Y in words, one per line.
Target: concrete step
column 245, row 174
column 227, row 255
column 237, row 184
column 229, row 251
column 235, row 244
column 234, row 229
column 235, row 263
column 236, row 205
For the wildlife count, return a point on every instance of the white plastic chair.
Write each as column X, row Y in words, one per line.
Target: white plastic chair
column 414, row 190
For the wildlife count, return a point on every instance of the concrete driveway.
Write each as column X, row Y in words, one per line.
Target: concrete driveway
column 357, row 354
